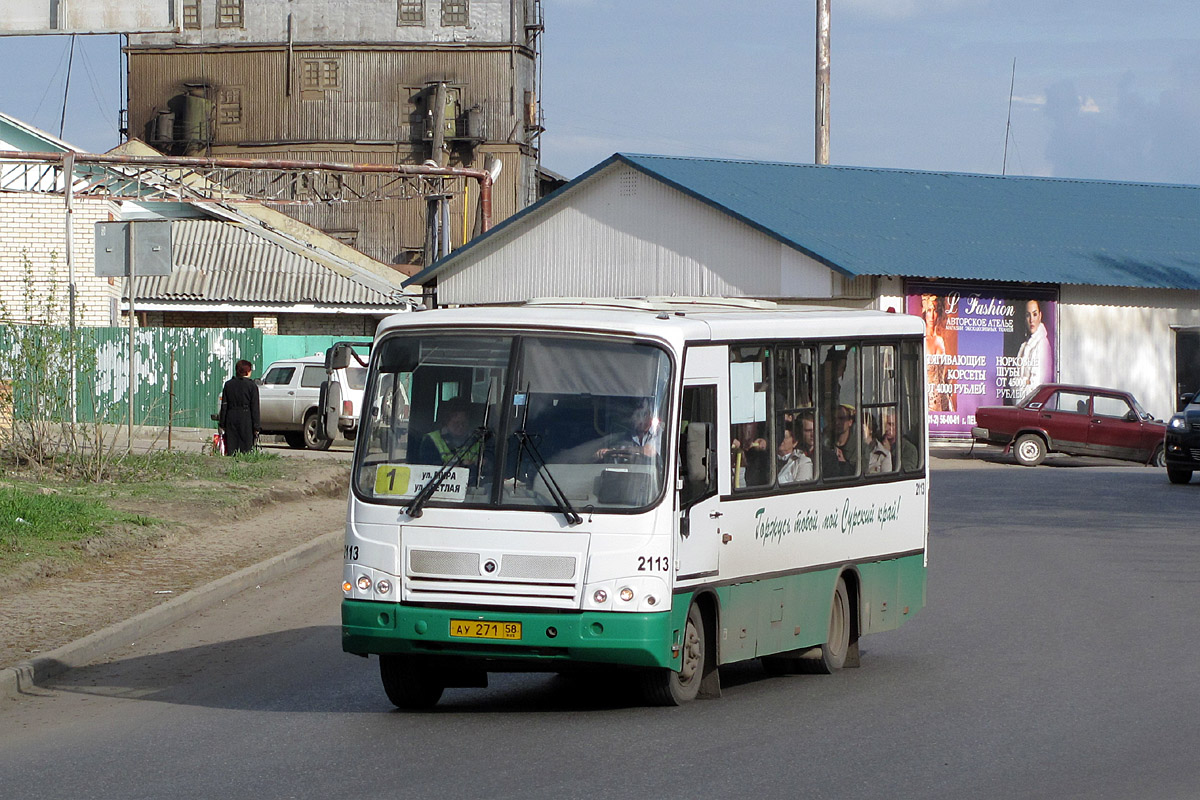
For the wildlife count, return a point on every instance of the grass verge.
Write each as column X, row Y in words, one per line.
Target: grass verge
column 51, row 522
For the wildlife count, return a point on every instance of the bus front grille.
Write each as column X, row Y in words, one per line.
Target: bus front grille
column 518, row 566
column 441, row 590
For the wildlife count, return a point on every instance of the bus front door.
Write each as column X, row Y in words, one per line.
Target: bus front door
column 699, row 540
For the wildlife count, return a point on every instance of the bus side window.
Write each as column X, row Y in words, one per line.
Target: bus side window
column 913, row 411
column 751, row 457
column 697, row 444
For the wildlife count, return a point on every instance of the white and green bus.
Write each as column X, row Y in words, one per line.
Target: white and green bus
column 657, row 486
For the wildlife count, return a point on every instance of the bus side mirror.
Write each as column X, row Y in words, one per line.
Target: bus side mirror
column 698, row 446
column 331, row 408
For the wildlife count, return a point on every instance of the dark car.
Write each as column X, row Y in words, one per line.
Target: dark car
column 1075, row 420
column 1183, row 441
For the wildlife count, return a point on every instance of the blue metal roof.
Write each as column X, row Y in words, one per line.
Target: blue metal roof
column 862, row 221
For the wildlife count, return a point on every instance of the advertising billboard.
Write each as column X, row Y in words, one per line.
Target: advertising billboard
column 983, row 346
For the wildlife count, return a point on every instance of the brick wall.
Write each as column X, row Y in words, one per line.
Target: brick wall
column 327, row 324
column 288, row 324
column 33, row 227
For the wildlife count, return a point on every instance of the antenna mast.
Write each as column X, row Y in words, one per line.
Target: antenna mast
column 1008, row 125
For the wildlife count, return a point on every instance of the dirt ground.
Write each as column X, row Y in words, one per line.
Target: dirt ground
column 213, row 543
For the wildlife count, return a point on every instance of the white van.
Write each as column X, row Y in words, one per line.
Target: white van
column 289, row 396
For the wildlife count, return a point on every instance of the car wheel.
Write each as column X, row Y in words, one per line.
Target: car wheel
column 313, row 439
column 1030, row 450
column 294, row 440
column 1159, row 459
column 1175, row 475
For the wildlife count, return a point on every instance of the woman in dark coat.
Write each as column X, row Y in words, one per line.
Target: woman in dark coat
column 239, row 410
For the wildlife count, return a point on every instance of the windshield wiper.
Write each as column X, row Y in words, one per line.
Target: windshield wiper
column 556, row 492
column 478, row 435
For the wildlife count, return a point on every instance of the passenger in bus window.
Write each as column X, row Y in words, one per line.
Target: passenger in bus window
column 879, row 457
column 750, row 456
column 895, row 445
column 793, row 464
column 845, row 449
column 807, row 430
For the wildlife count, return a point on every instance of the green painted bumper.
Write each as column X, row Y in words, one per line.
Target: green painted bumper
column 642, row 640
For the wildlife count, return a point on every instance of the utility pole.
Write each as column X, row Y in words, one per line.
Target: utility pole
column 822, row 104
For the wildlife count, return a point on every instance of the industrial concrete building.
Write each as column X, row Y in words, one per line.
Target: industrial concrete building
column 360, row 81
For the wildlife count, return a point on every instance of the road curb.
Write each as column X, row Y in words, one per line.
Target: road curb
column 19, row 679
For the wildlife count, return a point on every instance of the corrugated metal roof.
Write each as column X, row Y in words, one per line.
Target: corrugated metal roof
column 862, row 221
column 216, row 261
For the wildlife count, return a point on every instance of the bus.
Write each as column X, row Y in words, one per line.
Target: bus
column 655, row 486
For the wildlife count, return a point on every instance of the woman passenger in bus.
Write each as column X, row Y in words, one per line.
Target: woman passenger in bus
column 792, row 462
column 879, row 457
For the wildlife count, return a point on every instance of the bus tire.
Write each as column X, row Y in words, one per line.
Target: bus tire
column 666, row 687
column 407, row 684
column 831, row 656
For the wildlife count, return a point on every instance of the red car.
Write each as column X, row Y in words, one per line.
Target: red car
column 1076, row 420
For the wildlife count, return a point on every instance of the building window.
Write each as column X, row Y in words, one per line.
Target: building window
column 229, row 106
column 191, row 15
column 412, row 12
column 229, row 13
column 455, row 12
column 318, row 74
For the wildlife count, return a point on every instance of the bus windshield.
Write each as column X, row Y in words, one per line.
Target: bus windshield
column 560, row 423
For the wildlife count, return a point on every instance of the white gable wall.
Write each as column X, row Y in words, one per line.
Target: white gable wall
column 625, row 234
column 1124, row 338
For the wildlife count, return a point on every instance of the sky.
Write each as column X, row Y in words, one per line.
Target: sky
column 1102, row 89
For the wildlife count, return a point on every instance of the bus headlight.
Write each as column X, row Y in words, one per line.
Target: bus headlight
column 626, row 594
column 599, row 596
column 364, row 583
column 347, row 587
column 384, row 586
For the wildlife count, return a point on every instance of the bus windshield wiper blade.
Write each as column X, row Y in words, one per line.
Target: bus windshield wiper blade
column 478, row 435
column 556, row 492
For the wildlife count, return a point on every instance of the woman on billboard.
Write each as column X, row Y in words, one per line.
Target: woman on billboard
column 1034, row 358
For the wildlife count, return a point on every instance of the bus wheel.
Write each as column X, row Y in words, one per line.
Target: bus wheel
column 831, row 656
column 666, row 687
column 407, row 684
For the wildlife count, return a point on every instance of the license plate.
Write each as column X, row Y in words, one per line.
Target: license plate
column 485, row 629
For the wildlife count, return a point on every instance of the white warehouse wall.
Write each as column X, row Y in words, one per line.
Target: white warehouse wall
column 1124, row 338
column 624, row 234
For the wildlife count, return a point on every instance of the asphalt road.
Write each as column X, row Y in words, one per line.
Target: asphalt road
column 1056, row 659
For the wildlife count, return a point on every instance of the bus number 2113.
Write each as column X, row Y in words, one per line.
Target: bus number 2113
column 653, row 563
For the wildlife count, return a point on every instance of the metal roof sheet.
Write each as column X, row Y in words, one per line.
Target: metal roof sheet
column 218, row 261
column 864, row 221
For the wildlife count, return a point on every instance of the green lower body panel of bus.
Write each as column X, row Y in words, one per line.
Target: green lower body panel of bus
column 528, row 637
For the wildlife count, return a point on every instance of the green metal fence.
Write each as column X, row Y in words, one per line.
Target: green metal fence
column 178, row 372
column 277, row 347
